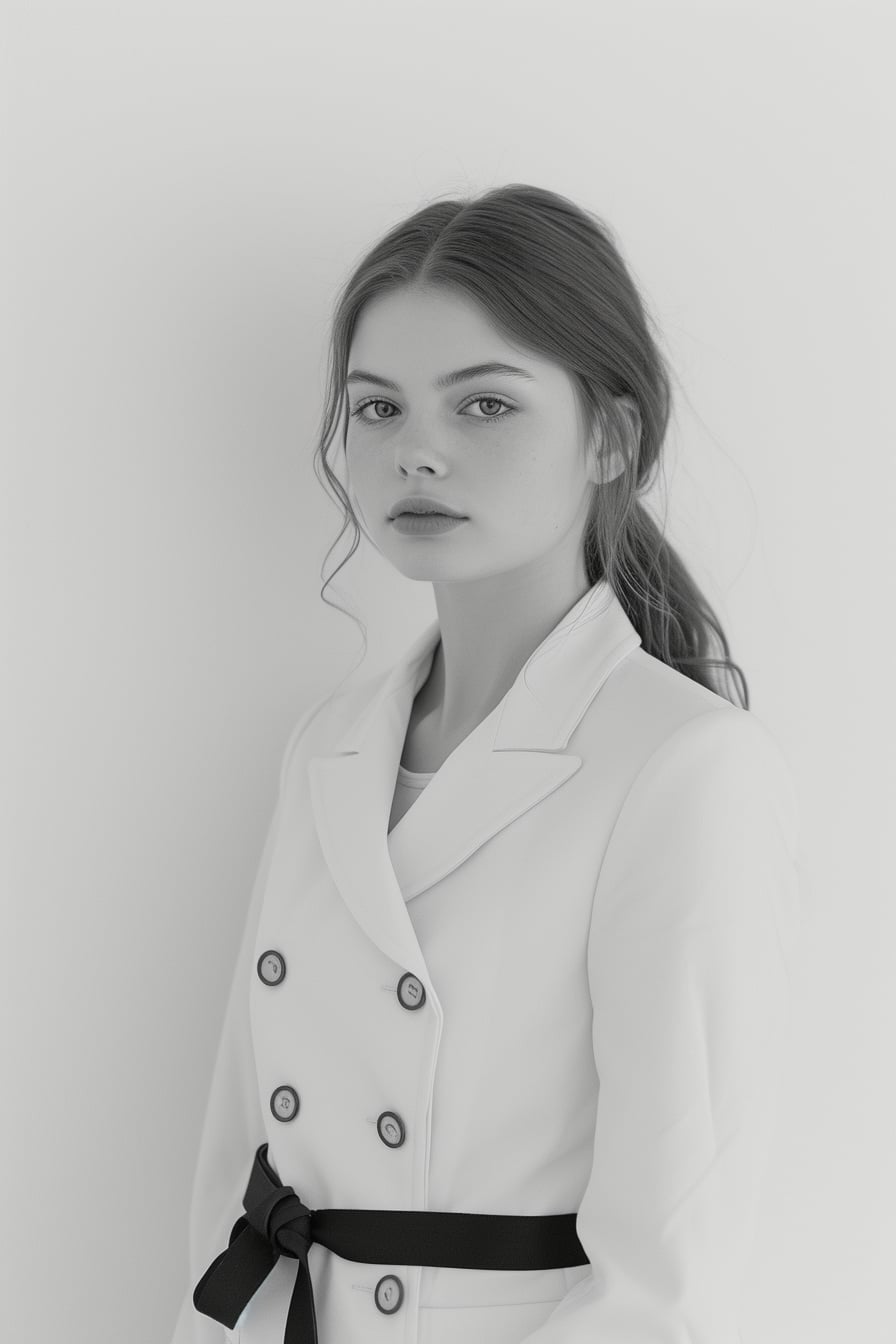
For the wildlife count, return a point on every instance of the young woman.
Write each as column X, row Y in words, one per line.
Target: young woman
column 500, row 1053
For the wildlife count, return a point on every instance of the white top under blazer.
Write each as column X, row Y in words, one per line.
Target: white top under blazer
column 599, row 891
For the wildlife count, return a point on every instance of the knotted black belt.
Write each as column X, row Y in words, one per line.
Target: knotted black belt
column 278, row 1223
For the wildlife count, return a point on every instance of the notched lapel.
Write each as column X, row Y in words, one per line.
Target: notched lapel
column 508, row 764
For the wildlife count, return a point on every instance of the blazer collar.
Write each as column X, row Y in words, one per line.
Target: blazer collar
column 511, row 761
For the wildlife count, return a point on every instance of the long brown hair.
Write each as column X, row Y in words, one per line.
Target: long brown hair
column 551, row 277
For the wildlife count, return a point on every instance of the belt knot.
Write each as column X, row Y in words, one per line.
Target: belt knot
column 284, row 1220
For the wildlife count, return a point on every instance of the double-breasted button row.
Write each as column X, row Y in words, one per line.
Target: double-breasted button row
column 271, row 967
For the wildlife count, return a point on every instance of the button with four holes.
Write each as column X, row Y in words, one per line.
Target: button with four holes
column 391, row 1129
column 410, row 991
column 271, row 967
column 285, row 1102
column 388, row 1294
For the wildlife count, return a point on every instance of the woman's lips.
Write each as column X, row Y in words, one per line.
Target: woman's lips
column 425, row 524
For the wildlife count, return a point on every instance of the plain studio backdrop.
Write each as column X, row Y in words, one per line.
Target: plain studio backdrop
column 185, row 187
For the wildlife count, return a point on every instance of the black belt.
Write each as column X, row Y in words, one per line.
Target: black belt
column 278, row 1223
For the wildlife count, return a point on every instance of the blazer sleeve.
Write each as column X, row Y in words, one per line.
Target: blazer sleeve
column 692, row 947
column 233, row 1126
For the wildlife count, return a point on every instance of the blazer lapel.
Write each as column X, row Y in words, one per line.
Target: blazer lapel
column 512, row 760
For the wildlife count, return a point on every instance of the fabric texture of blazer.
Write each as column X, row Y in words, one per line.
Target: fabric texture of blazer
column 599, row 891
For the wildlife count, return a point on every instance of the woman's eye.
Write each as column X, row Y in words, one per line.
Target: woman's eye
column 495, row 401
column 492, row 401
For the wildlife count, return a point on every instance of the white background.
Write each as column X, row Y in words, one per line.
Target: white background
column 185, row 187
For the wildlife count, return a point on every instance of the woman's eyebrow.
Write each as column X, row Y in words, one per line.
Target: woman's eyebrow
column 447, row 379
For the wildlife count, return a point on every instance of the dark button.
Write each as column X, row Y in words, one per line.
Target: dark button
column 285, row 1102
column 388, row 1294
column 391, row 1129
column 410, row 991
column 271, row 967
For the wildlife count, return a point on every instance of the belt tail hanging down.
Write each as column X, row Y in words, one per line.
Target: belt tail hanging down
column 277, row 1223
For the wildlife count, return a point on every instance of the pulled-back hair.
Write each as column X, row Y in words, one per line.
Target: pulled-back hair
column 550, row 276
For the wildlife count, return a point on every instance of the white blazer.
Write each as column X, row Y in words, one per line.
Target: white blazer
column 599, row 893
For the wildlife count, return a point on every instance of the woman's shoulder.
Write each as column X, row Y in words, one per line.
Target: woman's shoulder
column 710, row 786
column 652, row 713
column 646, row 690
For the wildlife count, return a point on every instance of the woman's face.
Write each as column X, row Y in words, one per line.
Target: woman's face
column 506, row 451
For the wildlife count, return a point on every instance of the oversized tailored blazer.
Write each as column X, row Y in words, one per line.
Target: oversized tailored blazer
column 599, row 891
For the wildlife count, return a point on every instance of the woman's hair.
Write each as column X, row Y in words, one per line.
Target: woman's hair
column 551, row 278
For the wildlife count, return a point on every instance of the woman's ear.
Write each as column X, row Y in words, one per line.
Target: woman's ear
column 609, row 460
